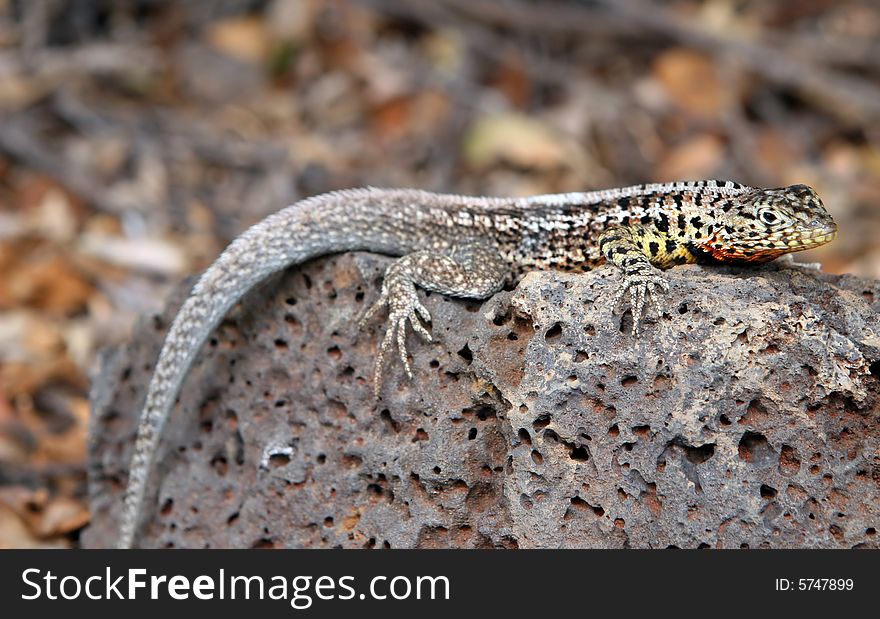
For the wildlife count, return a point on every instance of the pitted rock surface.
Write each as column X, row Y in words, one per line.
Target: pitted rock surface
column 746, row 415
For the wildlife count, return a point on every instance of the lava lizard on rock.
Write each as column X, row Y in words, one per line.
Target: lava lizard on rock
column 471, row 247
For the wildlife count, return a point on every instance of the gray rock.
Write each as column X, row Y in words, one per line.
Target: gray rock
column 745, row 416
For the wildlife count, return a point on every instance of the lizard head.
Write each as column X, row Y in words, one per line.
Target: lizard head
column 766, row 223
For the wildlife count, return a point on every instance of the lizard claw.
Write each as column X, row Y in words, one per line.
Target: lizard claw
column 405, row 308
column 643, row 289
column 380, row 303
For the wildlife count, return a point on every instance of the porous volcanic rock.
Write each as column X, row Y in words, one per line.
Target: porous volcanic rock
column 746, row 415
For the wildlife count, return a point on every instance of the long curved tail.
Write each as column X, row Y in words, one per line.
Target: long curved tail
column 334, row 222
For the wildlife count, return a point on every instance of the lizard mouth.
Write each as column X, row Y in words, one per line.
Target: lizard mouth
column 808, row 239
column 775, row 245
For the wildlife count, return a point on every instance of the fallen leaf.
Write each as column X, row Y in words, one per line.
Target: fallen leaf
column 518, row 140
column 62, row 515
column 244, row 38
column 13, row 532
column 691, row 81
column 697, row 158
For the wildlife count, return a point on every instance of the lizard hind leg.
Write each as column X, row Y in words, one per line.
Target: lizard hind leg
column 467, row 269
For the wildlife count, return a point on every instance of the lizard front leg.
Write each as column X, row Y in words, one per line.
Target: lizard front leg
column 472, row 269
column 633, row 249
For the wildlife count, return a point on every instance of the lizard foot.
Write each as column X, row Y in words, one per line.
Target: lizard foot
column 404, row 307
column 643, row 289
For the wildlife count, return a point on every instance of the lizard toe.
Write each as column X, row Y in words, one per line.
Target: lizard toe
column 643, row 291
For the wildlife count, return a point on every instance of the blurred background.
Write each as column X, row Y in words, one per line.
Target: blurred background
column 137, row 138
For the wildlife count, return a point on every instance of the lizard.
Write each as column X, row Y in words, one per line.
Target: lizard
column 471, row 247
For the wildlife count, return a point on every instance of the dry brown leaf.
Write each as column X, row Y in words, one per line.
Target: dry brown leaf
column 68, row 447
column 47, row 281
column 697, row 158
column 691, row 81
column 244, row 38
column 16, row 442
column 151, row 255
column 33, row 352
column 518, row 140
column 13, row 531
column 408, row 115
column 513, row 80
column 27, row 503
column 62, row 515
column 774, row 151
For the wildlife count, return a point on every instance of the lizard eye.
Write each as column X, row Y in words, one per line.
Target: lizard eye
column 768, row 217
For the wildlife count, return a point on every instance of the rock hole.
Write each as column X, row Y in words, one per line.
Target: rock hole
column 220, row 465
column 768, row 492
column 789, row 463
column 629, row 381
column 874, row 369
column 626, row 322
column 279, row 460
column 466, row 354
column 537, row 458
column 581, row 356
column 580, row 454
column 641, row 431
column 524, row 436
column 334, row 353
column 698, row 455
column 502, row 319
column 263, row 542
column 385, row 416
column 167, row 507
column 541, row 422
column 553, row 333
column 754, row 448
column 472, row 434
